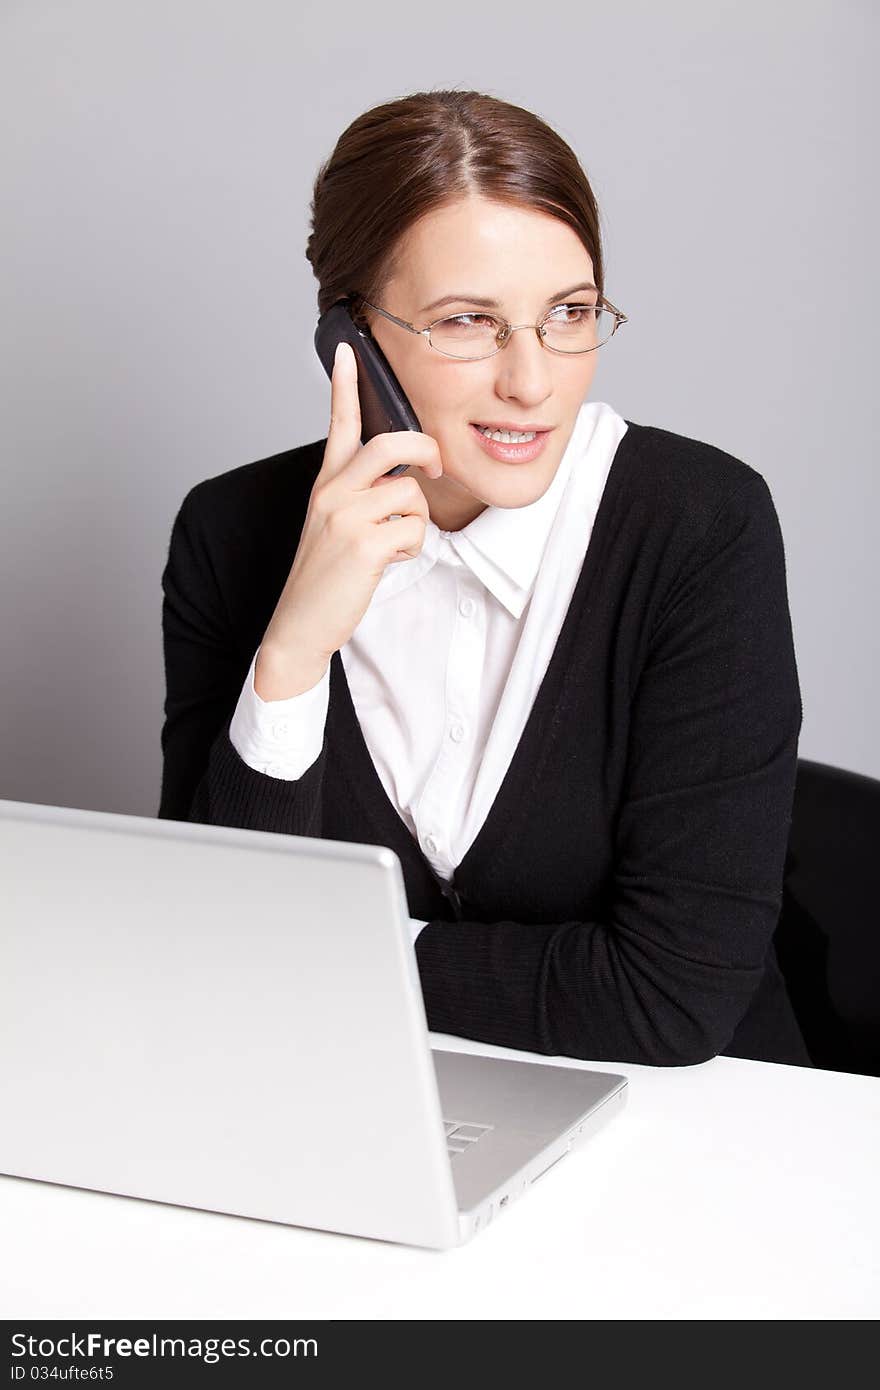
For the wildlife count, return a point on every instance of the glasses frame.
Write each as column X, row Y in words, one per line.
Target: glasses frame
column 504, row 333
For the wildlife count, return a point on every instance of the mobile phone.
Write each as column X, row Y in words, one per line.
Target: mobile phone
column 384, row 406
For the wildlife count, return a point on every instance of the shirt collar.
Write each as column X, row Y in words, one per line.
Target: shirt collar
column 503, row 546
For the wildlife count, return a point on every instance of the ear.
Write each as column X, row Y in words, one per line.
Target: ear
column 359, row 315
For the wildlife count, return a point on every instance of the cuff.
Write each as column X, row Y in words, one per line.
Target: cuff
column 415, row 926
column 280, row 737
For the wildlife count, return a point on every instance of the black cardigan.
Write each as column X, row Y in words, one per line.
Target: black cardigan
column 620, row 900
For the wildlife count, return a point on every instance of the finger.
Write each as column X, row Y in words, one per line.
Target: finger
column 398, row 497
column 405, row 535
column 344, row 432
column 385, row 451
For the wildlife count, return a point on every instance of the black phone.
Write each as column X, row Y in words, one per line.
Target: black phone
column 384, row 406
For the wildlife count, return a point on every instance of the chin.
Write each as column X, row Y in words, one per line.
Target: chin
column 517, row 493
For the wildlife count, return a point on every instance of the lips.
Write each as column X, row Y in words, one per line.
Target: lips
column 513, row 429
column 522, row 452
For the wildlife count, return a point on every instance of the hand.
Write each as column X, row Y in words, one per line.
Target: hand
column 347, row 539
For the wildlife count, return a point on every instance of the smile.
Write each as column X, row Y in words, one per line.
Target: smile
column 510, row 446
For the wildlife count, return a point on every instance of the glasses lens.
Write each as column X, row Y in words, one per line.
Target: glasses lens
column 578, row 327
column 567, row 328
column 466, row 335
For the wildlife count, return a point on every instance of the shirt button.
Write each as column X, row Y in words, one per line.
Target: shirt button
column 457, row 732
column 466, row 607
column 281, row 728
column 430, row 844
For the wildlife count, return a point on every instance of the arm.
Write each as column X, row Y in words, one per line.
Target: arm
column 700, row 837
column 204, row 776
column 203, row 673
column 281, row 737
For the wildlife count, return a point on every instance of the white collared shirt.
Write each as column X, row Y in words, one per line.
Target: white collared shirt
column 445, row 664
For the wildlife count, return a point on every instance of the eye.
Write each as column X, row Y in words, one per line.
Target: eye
column 470, row 320
column 581, row 313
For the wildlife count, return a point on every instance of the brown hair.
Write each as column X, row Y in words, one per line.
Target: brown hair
column 403, row 159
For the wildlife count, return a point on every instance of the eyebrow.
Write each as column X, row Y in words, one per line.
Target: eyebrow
column 493, row 303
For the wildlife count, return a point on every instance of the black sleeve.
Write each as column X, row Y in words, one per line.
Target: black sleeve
column 203, row 777
column 700, row 837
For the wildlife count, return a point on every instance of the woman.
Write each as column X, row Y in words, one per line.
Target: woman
column 556, row 677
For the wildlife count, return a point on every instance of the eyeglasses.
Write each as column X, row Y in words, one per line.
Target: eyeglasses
column 566, row 328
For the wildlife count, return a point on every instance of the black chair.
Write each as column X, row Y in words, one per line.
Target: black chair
column 828, row 936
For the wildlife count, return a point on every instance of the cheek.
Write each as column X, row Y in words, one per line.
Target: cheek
column 588, row 372
column 442, row 402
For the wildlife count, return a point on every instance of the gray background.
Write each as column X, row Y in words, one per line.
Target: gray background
column 158, row 309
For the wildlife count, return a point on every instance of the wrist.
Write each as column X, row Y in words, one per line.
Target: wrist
column 280, row 675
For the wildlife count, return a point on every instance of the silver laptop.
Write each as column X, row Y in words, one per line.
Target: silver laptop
column 232, row 1020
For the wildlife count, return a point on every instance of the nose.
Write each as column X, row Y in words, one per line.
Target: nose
column 523, row 367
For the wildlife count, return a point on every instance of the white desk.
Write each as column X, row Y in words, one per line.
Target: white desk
column 729, row 1190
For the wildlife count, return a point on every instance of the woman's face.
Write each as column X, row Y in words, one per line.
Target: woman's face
column 525, row 261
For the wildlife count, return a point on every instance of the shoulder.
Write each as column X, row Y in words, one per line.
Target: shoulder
column 684, row 488
column 236, row 533
column 253, row 493
column 675, row 469
column 252, row 515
